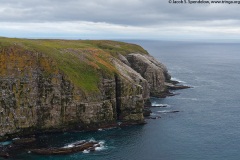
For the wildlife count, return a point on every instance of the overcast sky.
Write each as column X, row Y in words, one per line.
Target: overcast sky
column 118, row 19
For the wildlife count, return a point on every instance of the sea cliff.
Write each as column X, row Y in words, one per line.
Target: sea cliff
column 58, row 85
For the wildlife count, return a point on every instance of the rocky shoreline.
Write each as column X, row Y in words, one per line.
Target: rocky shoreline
column 75, row 147
column 83, row 86
column 172, row 86
column 41, row 97
column 28, row 143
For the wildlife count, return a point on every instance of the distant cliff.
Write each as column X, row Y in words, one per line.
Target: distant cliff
column 57, row 85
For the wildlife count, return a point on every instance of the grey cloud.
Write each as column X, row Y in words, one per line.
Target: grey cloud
column 131, row 12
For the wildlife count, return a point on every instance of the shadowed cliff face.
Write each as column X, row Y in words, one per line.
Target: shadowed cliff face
column 59, row 85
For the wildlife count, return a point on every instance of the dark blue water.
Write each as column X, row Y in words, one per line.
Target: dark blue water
column 207, row 126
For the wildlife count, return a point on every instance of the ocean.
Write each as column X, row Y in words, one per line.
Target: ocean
column 207, row 126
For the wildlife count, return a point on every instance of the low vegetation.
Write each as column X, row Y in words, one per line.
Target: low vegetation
column 82, row 61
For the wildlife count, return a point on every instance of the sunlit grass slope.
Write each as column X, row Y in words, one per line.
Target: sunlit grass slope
column 82, row 61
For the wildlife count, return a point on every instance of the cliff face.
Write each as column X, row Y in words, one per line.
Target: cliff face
column 151, row 70
column 55, row 85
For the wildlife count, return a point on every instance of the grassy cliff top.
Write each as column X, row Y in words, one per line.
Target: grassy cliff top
column 82, row 61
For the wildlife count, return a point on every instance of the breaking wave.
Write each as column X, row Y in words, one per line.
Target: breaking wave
column 155, row 104
column 176, row 79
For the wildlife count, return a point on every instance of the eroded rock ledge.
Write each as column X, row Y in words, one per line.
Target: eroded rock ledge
column 56, row 85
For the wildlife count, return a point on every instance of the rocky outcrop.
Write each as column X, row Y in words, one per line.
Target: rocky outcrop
column 175, row 86
column 153, row 71
column 131, row 90
column 45, row 87
column 74, row 148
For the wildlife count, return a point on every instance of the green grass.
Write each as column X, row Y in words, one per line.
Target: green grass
column 83, row 62
column 115, row 47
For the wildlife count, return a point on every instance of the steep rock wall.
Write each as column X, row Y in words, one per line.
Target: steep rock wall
column 36, row 96
column 150, row 69
column 58, row 85
column 132, row 89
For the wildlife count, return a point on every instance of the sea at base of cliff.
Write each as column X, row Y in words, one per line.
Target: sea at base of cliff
column 206, row 126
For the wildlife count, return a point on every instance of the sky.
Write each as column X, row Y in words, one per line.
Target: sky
column 119, row 19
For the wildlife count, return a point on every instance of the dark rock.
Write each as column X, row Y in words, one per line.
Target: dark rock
column 62, row 151
column 172, row 94
column 24, row 141
column 173, row 111
column 147, row 103
column 79, row 143
column 94, row 147
column 153, row 117
column 173, row 82
column 175, row 87
column 16, row 146
column 146, row 112
column 3, row 152
column 124, row 124
column 4, row 155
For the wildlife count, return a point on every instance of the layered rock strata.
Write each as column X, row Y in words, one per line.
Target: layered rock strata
column 39, row 94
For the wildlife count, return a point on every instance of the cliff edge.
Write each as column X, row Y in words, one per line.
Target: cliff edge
column 57, row 85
